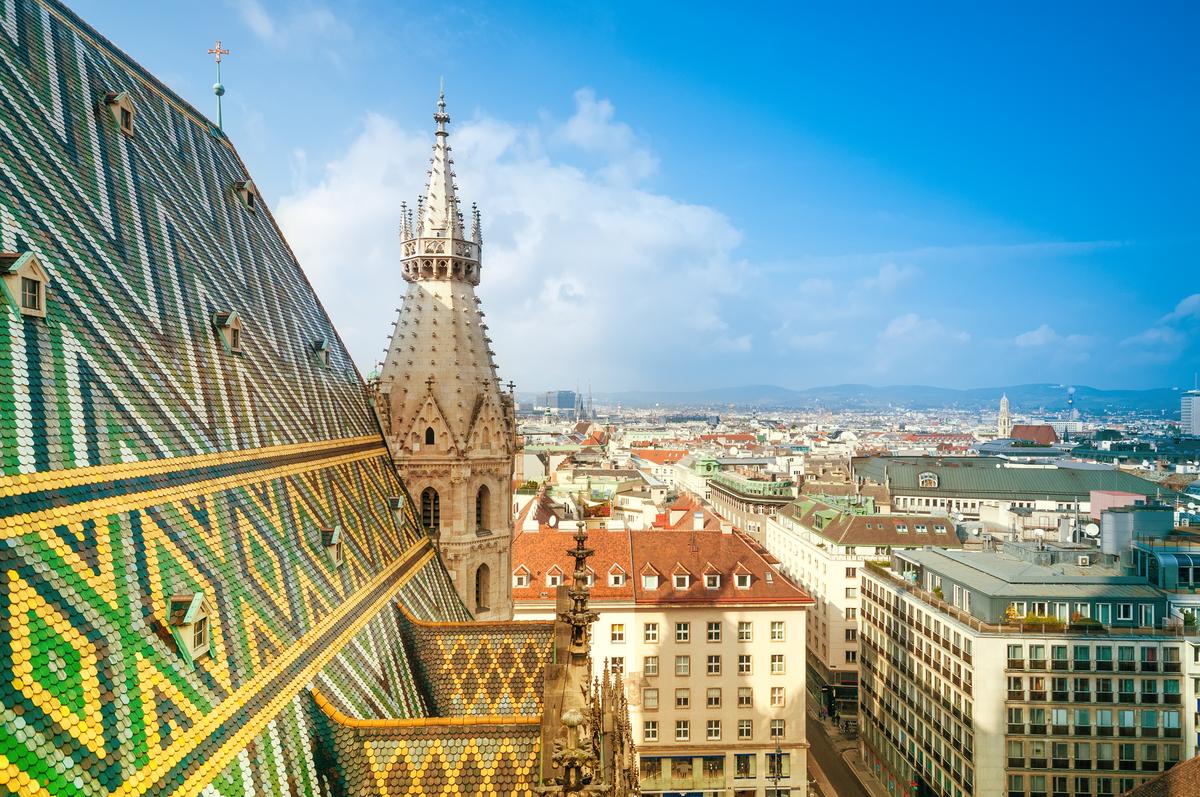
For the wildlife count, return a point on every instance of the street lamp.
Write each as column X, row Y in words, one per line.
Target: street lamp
column 777, row 770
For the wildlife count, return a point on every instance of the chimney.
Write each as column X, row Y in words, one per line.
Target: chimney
column 698, row 521
column 676, row 516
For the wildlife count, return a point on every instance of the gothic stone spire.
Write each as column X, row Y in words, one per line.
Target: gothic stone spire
column 438, row 248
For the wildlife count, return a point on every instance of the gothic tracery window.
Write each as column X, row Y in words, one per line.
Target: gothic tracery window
column 431, row 509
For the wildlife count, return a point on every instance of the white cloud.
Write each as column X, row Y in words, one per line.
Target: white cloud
column 889, row 277
column 584, row 276
column 592, row 130
column 1046, row 335
column 1187, row 309
column 293, row 27
column 1171, row 336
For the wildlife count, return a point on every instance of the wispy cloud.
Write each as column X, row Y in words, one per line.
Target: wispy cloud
column 294, row 27
column 1045, row 335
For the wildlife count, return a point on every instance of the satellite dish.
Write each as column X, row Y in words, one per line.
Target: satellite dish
column 553, row 521
column 1039, row 533
column 1091, row 530
column 957, row 517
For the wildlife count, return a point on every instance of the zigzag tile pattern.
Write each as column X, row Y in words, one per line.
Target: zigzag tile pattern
column 140, row 458
column 481, row 668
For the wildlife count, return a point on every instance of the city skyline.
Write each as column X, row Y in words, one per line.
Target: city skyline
column 835, row 205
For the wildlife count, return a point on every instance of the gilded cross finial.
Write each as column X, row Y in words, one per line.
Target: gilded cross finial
column 218, row 87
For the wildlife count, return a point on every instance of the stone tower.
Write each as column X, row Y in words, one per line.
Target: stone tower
column 450, row 426
column 1004, row 421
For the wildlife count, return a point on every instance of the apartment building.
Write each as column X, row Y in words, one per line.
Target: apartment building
column 1017, row 673
column 747, row 500
column 822, row 546
column 709, row 639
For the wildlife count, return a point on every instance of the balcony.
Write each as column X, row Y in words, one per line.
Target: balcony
column 1102, row 764
column 1083, row 763
column 1149, row 666
column 1059, row 730
column 1126, row 666
column 1037, row 763
column 1104, row 730
column 1083, row 730
column 1059, row 697
column 1149, row 697
column 1104, row 697
column 1127, row 697
column 1083, row 697
column 1127, row 732
column 1082, row 666
column 1060, row 763
column 1016, row 728
column 1171, row 666
column 1038, row 695
column 1016, row 763
column 1037, row 664
column 1037, row 730
column 1149, row 733
column 1172, row 733
column 1104, row 666
column 1128, row 766
column 1172, row 699
column 1060, row 664
column 1149, row 766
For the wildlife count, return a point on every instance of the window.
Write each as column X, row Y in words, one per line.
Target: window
column 920, row 528
column 901, row 528
column 683, row 698
column 229, row 328
column 743, row 664
column 776, row 664
column 745, row 631
column 650, row 699
column 521, row 580
column 617, row 664
column 851, row 572
column 1125, row 611
column 683, row 632
column 851, row 593
column 779, row 765
column 743, row 763
column 649, row 734
column 649, row 581
column 127, row 121
column 650, row 632
column 742, row 580
column 713, row 631
column 31, row 294
column 617, row 632
column 851, row 635
column 682, row 580
column 745, row 697
column 852, row 614
column 745, row 729
column 188, row 615
column 483, row 508
column 683, row 665
column 200, row 635
column 776, row 630
column 712, row 697
column 683, row 731
column 852, row 657
column 331, row 541
column 430, row 436
column 714, row 665
column 616, row 579
column 650, row 665
column 680, row 767
column 777, row 696
column 777, row 728
column 431, row 513
column 712, row 730
column 553, row 579
column 712, row 581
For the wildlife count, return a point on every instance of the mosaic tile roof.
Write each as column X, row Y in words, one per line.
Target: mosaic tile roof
column 149, row 457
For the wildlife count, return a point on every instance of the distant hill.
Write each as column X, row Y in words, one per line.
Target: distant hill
column 1022, row 398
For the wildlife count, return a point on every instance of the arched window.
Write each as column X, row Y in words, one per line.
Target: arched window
column 430, row 437
column 483, row 514
column 483, row 588
column 431, row 509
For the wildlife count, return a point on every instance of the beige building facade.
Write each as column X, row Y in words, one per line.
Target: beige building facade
column 450, row 425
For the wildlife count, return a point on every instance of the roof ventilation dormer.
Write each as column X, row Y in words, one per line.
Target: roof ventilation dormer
column 331, row 541
column 247, row 192
column 120, row 105
column 24, row 281
column 320, row 352
column 229, row 327
column 188, row 619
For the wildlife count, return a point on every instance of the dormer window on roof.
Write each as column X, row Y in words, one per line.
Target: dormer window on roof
column 649, row 581
column 554, row 576
column 247, row 192
column 742, row 580
column 120, row 105
column 24, row 279
column 188, row 619
column 229, row 327
column 616, row 576
column 331, row 541
column 320, row 352
column 712, row 580
column 521, row 577
column 681, row 580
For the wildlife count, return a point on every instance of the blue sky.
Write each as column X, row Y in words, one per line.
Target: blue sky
column 684, row 196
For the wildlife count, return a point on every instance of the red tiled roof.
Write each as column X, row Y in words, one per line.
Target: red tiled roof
column 1178, row 781
column 668, row 551
column 1042, row 434
column 659, row 456
column 731, row 437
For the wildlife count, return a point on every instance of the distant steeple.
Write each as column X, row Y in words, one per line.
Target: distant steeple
column 1004, row 422
column 440, row 217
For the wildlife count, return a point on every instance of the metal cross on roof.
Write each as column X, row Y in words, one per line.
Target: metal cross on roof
column 217, row 51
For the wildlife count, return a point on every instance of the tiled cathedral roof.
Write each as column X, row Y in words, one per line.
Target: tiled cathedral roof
column 148, row 456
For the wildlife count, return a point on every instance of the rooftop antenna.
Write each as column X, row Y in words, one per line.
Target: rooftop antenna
column 218, row 87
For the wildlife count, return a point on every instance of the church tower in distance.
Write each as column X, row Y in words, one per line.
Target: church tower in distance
column 450, row 426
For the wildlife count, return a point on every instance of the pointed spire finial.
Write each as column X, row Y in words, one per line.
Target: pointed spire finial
column 441, row 117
